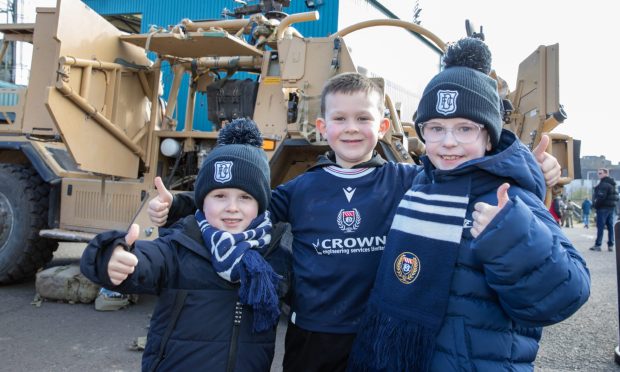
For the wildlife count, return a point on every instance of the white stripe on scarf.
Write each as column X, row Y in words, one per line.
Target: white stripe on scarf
column 426, row 227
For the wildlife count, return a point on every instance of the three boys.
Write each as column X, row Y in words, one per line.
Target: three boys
column 340, row 211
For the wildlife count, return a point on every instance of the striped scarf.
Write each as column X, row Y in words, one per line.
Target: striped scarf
column 237, row 258
column 411, row 292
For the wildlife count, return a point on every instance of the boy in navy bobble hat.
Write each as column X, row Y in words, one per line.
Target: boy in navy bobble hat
column 218, row 306
column 237, row 161
column 474, row 264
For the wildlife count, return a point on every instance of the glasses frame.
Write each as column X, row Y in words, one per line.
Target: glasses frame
column 479, row 126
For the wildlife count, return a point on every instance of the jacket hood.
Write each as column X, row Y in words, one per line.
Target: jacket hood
column 511, row 161
column 608, row 180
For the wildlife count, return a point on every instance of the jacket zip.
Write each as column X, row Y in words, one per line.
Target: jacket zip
column 232, row 352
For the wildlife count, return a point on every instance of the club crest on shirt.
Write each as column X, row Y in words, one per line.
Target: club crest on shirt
column 446, row 101
column 223, row 171
column 349, row 221
column 407, row 267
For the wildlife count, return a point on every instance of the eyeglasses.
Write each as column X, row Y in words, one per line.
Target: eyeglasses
column 462, row 132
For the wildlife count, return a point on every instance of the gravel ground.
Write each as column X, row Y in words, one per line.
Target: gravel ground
column 586, row 341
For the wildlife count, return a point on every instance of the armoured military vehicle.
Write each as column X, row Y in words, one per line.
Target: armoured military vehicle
column 81, row 145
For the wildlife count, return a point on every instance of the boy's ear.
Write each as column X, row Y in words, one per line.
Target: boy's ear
column 384, row 125
column 321, row 125
column 489, row 145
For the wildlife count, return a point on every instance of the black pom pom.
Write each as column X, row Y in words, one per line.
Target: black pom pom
column 468, row 52
column 240, row 131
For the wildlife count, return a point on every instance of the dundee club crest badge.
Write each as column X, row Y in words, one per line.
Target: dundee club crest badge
column 223, row 171
column 446, row 101
column 349, row 221
column 407, row 267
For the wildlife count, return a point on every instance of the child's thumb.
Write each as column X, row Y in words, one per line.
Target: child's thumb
column 502, row 195
column 164, row 195
column 132, row 234
column 539, row 151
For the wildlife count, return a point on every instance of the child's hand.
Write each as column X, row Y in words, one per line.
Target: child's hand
column 159, row 206
column 484, row 213
column 123, row 263
column 548, row 163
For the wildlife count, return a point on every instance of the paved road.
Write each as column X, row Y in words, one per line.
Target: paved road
column 75, row 337
column 585, row 341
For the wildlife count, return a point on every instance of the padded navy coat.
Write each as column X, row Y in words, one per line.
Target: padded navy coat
column 520, row 274
column 211, row 331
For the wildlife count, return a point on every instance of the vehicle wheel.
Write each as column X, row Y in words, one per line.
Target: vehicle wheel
column 23, row 212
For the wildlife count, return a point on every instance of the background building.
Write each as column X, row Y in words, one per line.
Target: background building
column 580, row 189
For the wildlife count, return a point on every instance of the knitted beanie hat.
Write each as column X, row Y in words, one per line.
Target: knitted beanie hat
column 464, row 89
column 238, row 161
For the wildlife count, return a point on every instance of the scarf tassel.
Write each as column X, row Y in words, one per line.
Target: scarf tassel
column 386, row 343
column 258, row 289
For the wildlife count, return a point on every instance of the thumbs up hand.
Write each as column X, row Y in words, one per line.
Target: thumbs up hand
column 159, row 206
column 548, row 163
column 484, row 213
column 123, row 263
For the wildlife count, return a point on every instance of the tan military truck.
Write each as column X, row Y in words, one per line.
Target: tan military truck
column 81, row 145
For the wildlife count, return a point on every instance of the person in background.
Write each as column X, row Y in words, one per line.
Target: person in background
column 586, row 208
column 567, row 213
column 556, row 209
column 604, row 201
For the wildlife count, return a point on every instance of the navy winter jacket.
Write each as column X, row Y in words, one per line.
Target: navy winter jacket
column 519, row 275
column 212, row 332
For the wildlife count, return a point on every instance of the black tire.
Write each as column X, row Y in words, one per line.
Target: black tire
column 23, row 212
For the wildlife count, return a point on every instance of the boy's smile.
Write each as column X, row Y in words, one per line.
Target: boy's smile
column 352, row 126
column 230, row 209
column 448, row 153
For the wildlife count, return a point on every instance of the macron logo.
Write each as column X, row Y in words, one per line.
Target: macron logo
column 348, row 192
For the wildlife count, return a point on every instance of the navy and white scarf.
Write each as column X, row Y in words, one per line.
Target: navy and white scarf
column 237, row 258
column 411, row 292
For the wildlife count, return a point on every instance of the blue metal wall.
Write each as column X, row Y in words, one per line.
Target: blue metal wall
column 169, row 12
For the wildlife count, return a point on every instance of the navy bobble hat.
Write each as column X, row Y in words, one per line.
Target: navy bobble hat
column 238, row 161
column 464, row 89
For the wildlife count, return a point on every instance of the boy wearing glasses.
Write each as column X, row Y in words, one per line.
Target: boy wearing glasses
column 474, row 265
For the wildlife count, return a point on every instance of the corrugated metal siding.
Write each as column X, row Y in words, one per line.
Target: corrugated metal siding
column 168, row 12
column 8, row 94
column 165, row 12
column 8, row 99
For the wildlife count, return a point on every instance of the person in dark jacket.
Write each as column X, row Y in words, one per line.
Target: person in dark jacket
column 218, row 304
column 586, row 208
column 556, row 209
column 604, row 201
column 474, row 265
